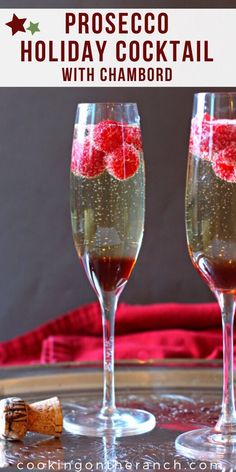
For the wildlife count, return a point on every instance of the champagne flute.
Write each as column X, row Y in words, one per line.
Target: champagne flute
column 107, row 211
column 211, row 237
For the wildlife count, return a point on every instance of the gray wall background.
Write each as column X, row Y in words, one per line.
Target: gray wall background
column 40, row 274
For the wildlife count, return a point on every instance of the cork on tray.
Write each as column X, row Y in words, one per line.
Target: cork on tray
column 17, row 417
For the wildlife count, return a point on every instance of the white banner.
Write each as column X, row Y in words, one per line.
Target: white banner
column 113, row 47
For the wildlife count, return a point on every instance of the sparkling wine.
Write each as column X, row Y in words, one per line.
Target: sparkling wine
column 211, row 225
column 107, row 208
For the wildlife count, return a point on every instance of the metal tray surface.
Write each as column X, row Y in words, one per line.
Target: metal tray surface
column 183, row 395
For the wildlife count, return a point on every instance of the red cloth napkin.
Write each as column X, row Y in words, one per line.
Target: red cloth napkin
column 142, row 332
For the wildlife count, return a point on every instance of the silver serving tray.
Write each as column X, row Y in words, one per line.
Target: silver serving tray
column 182, row 394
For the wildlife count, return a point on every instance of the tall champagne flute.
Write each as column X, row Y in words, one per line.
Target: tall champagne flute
column 107, row 210
column 211, row 237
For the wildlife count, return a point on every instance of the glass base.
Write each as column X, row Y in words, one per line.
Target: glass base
column 123, row 422
column 206, row 444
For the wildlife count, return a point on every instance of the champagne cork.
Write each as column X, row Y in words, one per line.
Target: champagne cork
column 17, row 417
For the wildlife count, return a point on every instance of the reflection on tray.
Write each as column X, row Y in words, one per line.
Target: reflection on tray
column 178, row 397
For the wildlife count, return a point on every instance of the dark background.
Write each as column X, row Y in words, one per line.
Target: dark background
column 40, row 274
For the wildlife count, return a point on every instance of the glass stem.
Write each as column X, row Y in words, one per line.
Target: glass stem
column 108, row 304
column 227, row 421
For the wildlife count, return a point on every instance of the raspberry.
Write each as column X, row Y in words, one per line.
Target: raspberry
column 224, row 134
column 132, row 135
column 207, row 118
column 107, row 135
column 224, row 170
column 86, row 160
column 199, row 143
column 123, row 162
column 227, row 155
column 210, row 136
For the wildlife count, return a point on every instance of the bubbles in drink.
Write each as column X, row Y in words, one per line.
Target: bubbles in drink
column 107, row 201
column 211, row 203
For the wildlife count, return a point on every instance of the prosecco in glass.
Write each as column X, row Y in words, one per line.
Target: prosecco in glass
column 107, row 210
column 211, row 237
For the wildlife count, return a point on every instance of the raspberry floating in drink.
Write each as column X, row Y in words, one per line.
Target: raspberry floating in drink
column 132, row 135
column 224, row 134
column 108, row 145
column 215, row 140
column 224, row 170
column 199, row 136
column 107, row 135
column 228, row 155
column 86, row 160
column 123, row 162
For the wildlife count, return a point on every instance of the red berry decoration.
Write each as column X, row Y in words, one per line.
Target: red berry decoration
column 86, row 160
column 215, row 140
column 132, row 135
column 224, row 170
column 107, row 135
column 123, row 162
column 228, row 155
column 224, row 134
column 199, row 143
